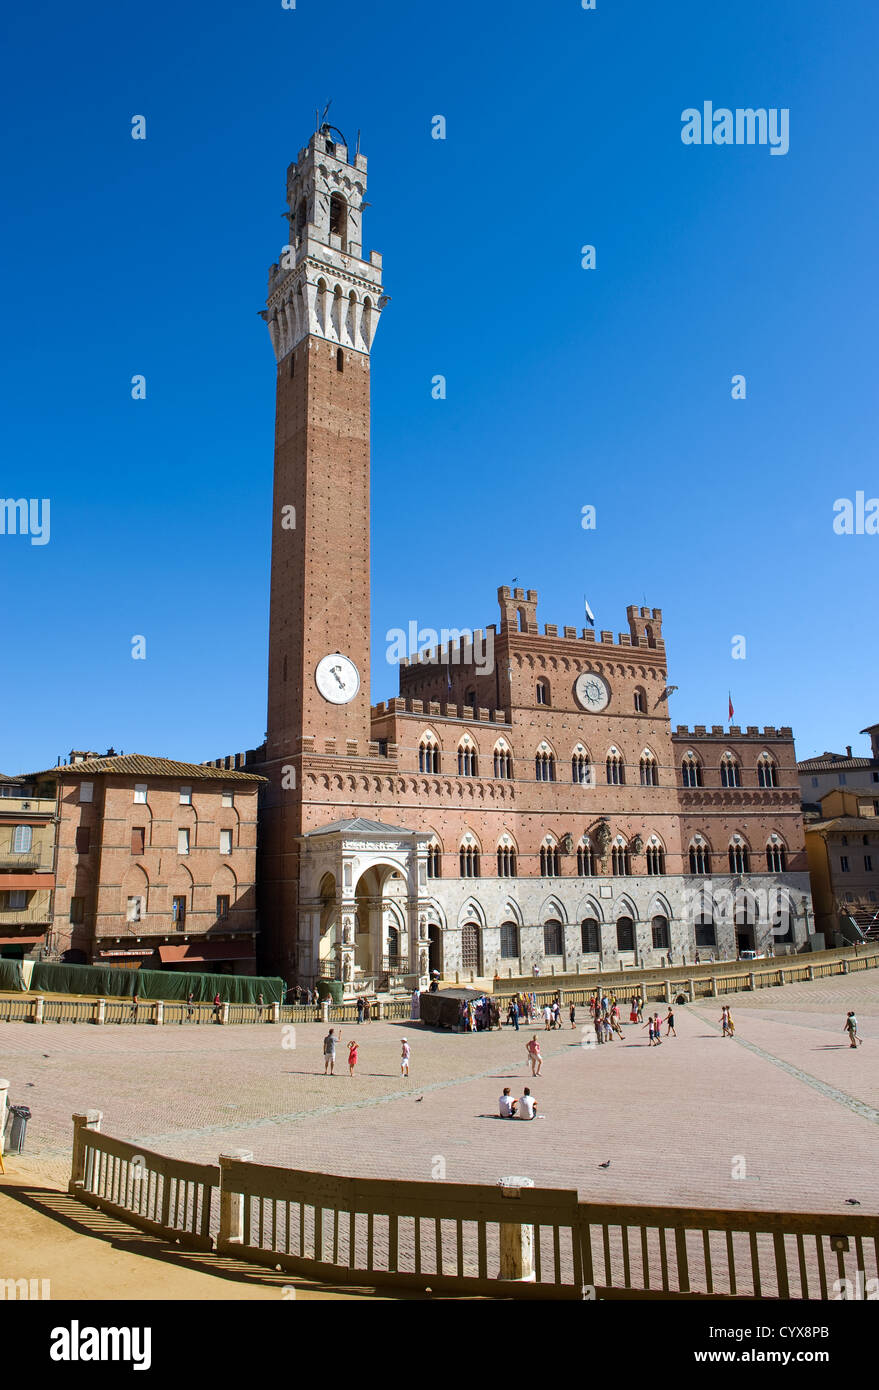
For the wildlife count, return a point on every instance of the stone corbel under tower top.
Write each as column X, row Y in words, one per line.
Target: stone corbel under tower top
column 321, row 286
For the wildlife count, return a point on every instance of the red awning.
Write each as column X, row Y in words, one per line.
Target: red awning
column 207, row 950
column 7, row 939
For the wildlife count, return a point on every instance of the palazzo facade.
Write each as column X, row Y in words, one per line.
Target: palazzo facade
column 524, row 800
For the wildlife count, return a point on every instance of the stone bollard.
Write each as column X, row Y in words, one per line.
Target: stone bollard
column 381, row 1010
column 692, row 988
column 276, row 1013
column 516, row 1240
column 102, row 1011
column 667, row 992
column 714, row 986
column 752, row 980
column 231, row 1203
column 224, row 1015
column 39, row 1004
column 810, row 971
column 845, row 967
column 781, row 978
column 325, row 1011
column 160, row 1012
column 82, row 1165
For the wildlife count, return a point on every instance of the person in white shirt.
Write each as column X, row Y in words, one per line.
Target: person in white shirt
column 527, row 1106
column 506, row 1105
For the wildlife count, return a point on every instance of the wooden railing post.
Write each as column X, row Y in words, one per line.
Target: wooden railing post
column 516, row 1240
column 90, row 1120
column 4, row 1101
column 231, row 1203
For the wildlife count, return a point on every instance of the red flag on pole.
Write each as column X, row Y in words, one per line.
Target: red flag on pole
column 731, row 710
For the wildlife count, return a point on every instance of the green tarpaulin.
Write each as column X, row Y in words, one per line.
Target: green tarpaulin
column 10, row 974
column 150, row 984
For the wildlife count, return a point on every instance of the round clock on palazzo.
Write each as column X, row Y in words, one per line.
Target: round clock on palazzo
column 592, row 692
column 337, row 678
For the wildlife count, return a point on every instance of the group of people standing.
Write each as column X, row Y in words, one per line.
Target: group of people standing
column 478, row 1015
column 522, row 1009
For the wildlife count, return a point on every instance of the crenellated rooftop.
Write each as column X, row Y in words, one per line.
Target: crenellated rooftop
column 683, row 731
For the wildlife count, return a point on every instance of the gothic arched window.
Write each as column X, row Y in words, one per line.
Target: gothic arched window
column 730, row 771
column 700, row 857
column 767, row 771
column 776, row 857
column 691, row 771
column 544, row 764
column 581, row 767
column 616, row 768
column 428, row 754
column 655, row 859
column 468, row 856
column 739, row 858
column 649, row 772
column 621, row 861
column 585, row 860
column 466, row 758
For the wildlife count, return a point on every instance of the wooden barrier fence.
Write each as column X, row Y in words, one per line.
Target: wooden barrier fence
column 512, row 1240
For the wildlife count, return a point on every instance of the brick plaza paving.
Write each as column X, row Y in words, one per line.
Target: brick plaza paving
column 787, row 1095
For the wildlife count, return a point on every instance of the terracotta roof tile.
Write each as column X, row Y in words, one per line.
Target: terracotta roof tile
column 141, row 765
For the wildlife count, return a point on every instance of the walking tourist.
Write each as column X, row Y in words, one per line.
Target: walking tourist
column 352, row 1057
column 330, row 1051
column 217, row 1013
column 405, row 1053
column 189, row 1009
column 135, row 1003
column 532, row 1050
column 670, row 1020
column 359, row 1008
column 851, row 1027
column 547, row 1018
column 572, row 1014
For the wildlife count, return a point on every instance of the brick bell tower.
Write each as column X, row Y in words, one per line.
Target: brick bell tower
column 322, row 312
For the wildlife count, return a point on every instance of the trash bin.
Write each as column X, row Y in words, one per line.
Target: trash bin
column 17, row 1127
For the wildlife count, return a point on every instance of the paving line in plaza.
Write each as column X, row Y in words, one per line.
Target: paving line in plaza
column 857, row 1107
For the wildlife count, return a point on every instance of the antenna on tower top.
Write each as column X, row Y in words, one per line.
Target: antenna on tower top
column 324, row 116
column 357, row 150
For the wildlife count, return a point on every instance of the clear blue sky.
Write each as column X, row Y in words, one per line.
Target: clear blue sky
column 566, row 387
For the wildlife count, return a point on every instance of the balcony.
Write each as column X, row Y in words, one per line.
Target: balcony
column 35, row 860
column 35, row 915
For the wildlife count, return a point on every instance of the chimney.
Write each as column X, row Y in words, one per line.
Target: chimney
column 848, row 750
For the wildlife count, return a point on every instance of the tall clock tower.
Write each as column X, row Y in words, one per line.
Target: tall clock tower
column 322, row 312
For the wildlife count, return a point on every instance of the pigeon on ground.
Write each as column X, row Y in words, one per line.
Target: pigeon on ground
column 419, row 1100
column 605, row 1165
column 852, row 1202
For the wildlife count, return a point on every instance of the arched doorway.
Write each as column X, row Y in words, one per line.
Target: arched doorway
column 380, row 941
column 435, row 949
column 471, row 948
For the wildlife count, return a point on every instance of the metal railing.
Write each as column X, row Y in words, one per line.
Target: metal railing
column 502, row 1241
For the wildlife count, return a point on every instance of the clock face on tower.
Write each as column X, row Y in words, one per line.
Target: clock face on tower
column 592, row 692
column 337, row 678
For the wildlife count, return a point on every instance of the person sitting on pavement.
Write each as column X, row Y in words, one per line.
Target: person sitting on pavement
column 507, row 1105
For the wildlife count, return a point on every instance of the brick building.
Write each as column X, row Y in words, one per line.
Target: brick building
column 27, row 856
column 524, row 800
column 842, row 844
column 155, row 862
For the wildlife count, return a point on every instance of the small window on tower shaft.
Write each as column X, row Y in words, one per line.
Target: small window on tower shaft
column 340, row 360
